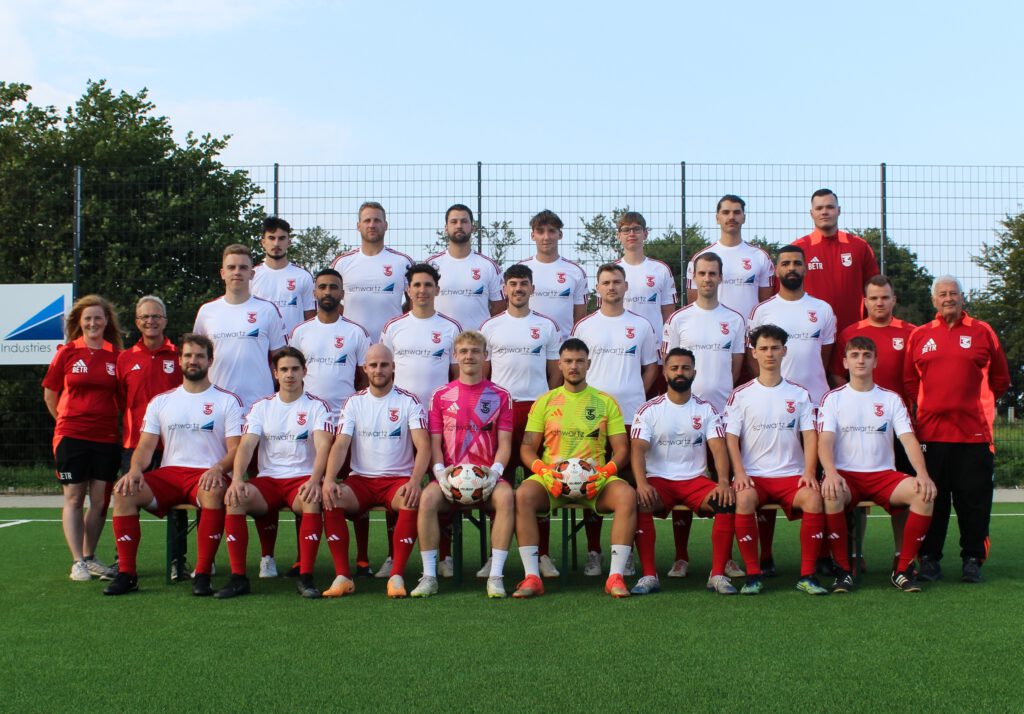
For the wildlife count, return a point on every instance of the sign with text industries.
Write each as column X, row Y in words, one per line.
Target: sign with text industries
column 32, row 321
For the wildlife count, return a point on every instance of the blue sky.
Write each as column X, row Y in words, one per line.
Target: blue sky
column 743, row 82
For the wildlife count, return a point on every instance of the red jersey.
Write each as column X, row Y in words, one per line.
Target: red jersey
column 837, row 268
column 891, row 345
column 86, row 381
column 955, row 374
column 141, row 375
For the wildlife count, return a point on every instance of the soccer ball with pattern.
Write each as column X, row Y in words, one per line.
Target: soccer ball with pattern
column 574, row 473
column 467, row 482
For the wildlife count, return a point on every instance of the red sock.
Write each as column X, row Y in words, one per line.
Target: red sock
column 722, row 531
column 236, row 532
column 838, row 539
column 390, row 519
column 593, row 523
column 126, row 539
column 544, row 532
column 309, row 545
column 336, row 529
column 913, row 534
column 766, row 532
column 266, row 529
column 361, row 529
column 746, row 539
column 645, row 539
column 681, row 523
column 208, row 536
column 403, row 541
column 812, row 532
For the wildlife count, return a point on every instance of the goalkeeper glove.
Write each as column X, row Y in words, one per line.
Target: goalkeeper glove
column 441, row 475
column 553, row 482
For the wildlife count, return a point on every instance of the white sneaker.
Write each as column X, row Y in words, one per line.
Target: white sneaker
column 547, row 567
column 733, row 570
column 485, row 570
column 213, row 571
column 629, row 570
column 80, row 571
column 646, row 585
column 593, row 566
column 496, row 587
column 446, row 567
column 268, row 567
column 679, row 569
column 100, row 569
column 721, row 585
column 426, row 587
column 384, row 571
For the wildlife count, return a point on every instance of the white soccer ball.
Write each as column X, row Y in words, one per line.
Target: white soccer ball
column 466, row 483
column 575, row 473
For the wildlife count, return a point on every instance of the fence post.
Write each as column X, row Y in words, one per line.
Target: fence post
column 882, row 238
column 77, row 248
column 480, row 206
column 682, row 233
column 276, row 166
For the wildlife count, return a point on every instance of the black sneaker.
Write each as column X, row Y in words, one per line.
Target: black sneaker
column 972, row 571
column 843, row 583
column 930, row 570
column 236, row 585
column 293, row 572
column 306, row 588
column 826, row 567
column 122, row 584
column 905, row 581
column 364, row 571
column 768, row 568
column 201, row 585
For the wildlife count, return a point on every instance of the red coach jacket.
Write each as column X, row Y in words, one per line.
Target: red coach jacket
column 141, row 375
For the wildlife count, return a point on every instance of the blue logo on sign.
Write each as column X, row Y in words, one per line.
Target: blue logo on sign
column 47, row 324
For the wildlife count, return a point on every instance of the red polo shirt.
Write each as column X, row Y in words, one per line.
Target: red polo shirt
column 891, row 345
column 837, row 268
column 85, row 379
column 141, row 375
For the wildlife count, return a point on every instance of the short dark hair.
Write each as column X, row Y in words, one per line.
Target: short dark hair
column 879, row 281
column 273, row 223
column 772, row 332
column 518, row 271
column 288, row 351
column 680, row 352
column 374, row 205
column 192, row 338
column 790, row 249
column 860, row 342
column 328, row 271
column 546, row 218
column 824, row 192
column 574, row 344
column 711, row 256
column 611, row 266
column 458, row 207
column 427, row 268
column 731, row 198
column 631, row 217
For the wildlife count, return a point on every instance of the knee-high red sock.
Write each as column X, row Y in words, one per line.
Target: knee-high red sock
column 361, row 529
column 390, row 519
column 126, row 537
column 913, row 535
column 593, row 523
column 838, row 540
column 682, row 521
column 403, row 541
column 236, row 533
column 266, row 529
column 812, row 532
column 722, row 531
column 309, row 545
column 336, row 529
column 746, row 539
column 544, row 531
column 766, row 532
column 208, row 537
column 645, row 540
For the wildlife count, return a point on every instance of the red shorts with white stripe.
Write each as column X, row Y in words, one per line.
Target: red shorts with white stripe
column 777, row 489
column 373, row 491
column 173, row 486
column 690, row 492
column 874, row 486
column 520, row 410
column 279, row 493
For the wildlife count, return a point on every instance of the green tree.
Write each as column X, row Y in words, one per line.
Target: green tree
column 315, row 248
column 598, row 242
column 911, row 280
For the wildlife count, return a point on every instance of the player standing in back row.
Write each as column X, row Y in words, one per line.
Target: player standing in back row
column 279, row 281
column 559, row 285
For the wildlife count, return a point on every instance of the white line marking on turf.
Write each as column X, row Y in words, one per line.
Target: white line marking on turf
column 12, row 523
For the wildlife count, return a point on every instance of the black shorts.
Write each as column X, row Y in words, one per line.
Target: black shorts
column 79, row 461
column 126, row 460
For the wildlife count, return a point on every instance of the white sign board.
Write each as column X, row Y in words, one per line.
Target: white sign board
column 32, row 322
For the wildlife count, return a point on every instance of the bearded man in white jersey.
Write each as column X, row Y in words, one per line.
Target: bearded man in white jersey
column 280, row 281
column 560, row 285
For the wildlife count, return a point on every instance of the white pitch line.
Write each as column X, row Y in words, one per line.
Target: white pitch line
column 12, row 523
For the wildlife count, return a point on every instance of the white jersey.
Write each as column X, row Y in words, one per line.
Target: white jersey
column 864, row 424
column 193, row 427
column 334, row 351
column 423, row 349
column 290, row 288
column 768, row 421
column 678, row 435
column 374, row 286
column 619, row 349
column 810, row 324
column 243, row 337
column 519, row 349
column 745, row 268
column 558, row 287
column 380, row 430
column 467, row 287
column 651, row 285
column 286, row 431
column 714, row 336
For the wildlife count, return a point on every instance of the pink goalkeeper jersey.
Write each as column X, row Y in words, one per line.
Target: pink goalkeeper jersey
column 469, row 417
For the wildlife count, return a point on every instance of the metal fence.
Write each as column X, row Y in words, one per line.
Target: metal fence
column 942, row 213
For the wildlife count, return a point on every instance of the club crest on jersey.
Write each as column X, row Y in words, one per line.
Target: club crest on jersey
column 252, row 318
column 560, row 277
column 112, row 368
column 590, row 413
column 208, row 408
column 485, row 407
column 879, row 410
column 435, row 337
column 790, row 406
column 393, row 414
column 291, row 284
column 897, row 343
column 476, row 273
column 301, row 418
column 812, row 315
column 388, row 271
column 534, row 333
column 630, row 333
column 725, row 327
column 650, row 281
column 339, row 342
column 168, row 366
column 846, row 259
column 696, row 422
column 965, row 342
column 747, row 265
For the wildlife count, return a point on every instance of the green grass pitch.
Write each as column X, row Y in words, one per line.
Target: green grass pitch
column 66, row 647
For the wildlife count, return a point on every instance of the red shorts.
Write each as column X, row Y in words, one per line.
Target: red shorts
column 375, row 490
column 279, row 493
column 173, row 486
column 777, row 489
column 690, row 493
column 520, row 410
column 874, row 486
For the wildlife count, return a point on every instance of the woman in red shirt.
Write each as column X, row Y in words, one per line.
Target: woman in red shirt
column 80, row 391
